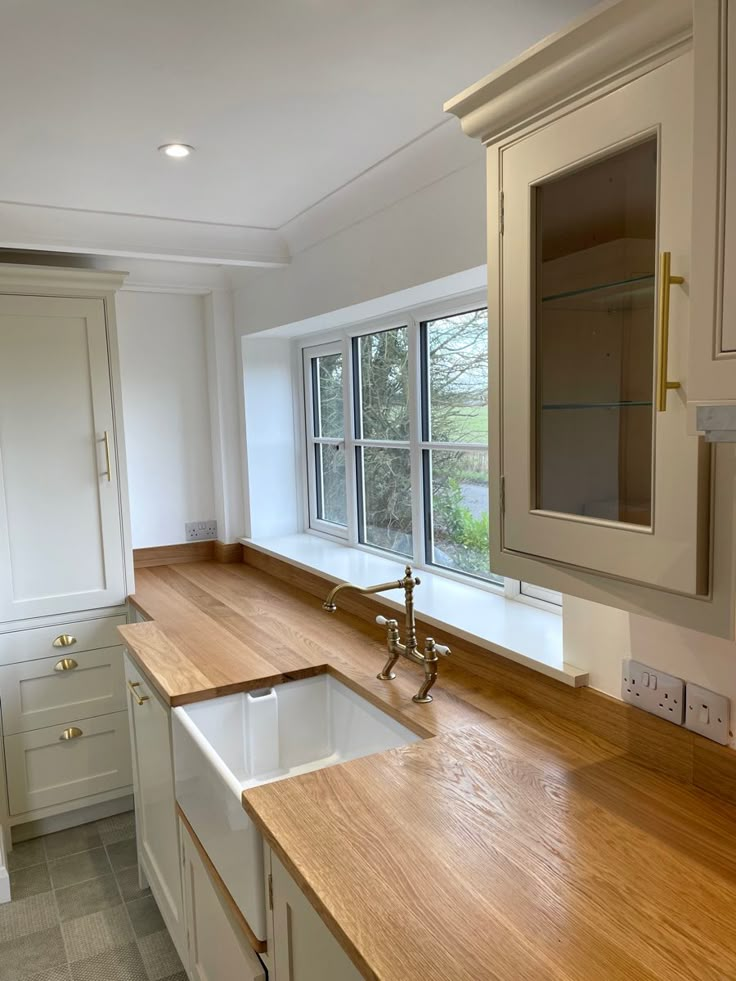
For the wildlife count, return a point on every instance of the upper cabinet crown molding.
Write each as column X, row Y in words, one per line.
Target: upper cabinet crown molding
column 52, row 279
column 613, row 37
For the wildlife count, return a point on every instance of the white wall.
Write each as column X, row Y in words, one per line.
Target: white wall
column 271, row 461
column 166, row 414
column 598, row 637
column 432, row 233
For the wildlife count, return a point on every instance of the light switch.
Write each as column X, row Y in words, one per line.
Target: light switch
column 704, row 715
column 653, row 682
column 645, row 678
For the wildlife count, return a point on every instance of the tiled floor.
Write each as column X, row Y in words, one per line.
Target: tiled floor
column 78, row 913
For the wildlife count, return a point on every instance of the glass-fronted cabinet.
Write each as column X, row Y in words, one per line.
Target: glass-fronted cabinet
column 600, row 485
column 599, row 469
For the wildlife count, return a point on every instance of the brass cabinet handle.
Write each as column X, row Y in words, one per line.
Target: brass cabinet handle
column 63, row 640
column 665, row 281
column 106, row 441
column 133, row 685
column 73, row 732
column 66, row 664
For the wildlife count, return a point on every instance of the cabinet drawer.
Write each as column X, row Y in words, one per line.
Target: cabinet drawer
column 85, row 635
column 34, row 694
column 45, row 769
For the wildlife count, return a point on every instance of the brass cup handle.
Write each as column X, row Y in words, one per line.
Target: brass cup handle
column 63, row 640
column 66, row 664
column 140, row 699
column 73, row 732
column 666, row 280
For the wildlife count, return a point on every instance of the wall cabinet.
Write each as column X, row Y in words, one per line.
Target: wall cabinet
column 598, row 294
column 303, row 947
column 217, row 947
column 157, row 826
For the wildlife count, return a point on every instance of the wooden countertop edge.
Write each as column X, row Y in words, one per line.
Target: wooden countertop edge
column 332, row 924
column 259, row 946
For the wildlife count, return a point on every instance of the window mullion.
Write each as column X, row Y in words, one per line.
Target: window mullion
column 415, row 452
column 350, row 414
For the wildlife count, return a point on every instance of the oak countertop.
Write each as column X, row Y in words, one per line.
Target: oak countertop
column 514, row 845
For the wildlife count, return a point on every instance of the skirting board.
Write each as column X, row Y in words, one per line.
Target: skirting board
column 4, row 876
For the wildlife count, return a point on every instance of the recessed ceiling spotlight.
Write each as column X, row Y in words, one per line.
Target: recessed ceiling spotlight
column 176, row 150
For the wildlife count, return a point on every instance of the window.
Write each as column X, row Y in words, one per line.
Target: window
column 397, row 443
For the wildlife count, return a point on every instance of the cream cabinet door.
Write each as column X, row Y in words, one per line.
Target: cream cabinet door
column 61, row 546
column 595, row 477
column 218, row 950
column 304, row 949
column 157, row 825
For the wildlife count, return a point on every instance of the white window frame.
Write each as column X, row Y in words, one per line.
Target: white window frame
column 341, row 341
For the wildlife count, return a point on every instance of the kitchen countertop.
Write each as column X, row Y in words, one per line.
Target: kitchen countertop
column 513, row 845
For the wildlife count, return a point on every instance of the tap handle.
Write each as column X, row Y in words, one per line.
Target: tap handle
column 433, row 648
column 384, row 622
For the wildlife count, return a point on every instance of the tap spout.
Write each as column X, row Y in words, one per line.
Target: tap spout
column 330, row 605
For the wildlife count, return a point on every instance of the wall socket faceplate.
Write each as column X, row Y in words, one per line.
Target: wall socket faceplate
column 654, row 691
column 707, row 713
column 200, row 531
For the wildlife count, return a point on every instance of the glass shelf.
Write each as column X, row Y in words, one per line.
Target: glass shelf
column 621, row 290
column 558, row 406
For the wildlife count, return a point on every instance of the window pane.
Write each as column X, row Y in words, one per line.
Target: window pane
column 386, row 517
column 458, row 538
column 457, row 354
column 330, row 473
column 328, row 397
column 384, row 384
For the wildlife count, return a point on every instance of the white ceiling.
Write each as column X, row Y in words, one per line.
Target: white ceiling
column 285, row 100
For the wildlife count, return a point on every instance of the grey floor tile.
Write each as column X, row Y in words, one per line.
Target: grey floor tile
column 87, row 897
column 27, row 853
column 145, row 917
column 29, row 882
column 117, row 828
column 60, row 973
column 72, row 841
column 179, row 976
column 121, row 964
column 90, row 935
column 77, row 868
column 160, row 956
column 129, row 885
column 123, row 854
column 31, row 955
column 23, row 916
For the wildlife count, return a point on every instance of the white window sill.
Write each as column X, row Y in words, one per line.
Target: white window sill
column 513, row 629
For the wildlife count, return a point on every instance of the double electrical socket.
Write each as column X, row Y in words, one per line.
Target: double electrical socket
column 671, row 698
column 199, row 531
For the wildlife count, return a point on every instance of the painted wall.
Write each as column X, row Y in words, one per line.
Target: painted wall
column 598, row 637
column 166, row 414
column 432, row 233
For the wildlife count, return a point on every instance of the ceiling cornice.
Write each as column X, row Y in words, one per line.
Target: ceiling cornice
column 38, row 227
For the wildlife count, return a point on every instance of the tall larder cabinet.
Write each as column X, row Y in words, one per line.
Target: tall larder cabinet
column 65, row 559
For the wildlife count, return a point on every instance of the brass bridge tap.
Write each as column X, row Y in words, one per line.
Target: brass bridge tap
column 396, row 649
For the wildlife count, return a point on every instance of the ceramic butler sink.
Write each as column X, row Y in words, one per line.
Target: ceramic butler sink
column 225, row 745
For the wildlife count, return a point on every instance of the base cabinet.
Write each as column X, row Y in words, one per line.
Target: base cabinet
column 153, row 783
column 303, row 947
column 217, row 948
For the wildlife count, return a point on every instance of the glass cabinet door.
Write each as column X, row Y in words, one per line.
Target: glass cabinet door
column 595, row 476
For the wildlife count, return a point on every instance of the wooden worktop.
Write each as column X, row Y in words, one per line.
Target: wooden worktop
column 514, row 845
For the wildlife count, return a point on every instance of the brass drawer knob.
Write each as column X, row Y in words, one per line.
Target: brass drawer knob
column 66, row 664
column 64, row 640
column 73, row 732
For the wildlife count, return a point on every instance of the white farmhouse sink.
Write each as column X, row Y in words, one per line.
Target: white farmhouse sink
column 225, row 745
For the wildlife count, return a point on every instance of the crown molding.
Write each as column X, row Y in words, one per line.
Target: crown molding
column 416, row 165
column 52, row 278
column 38, row 227
column 616, row 36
